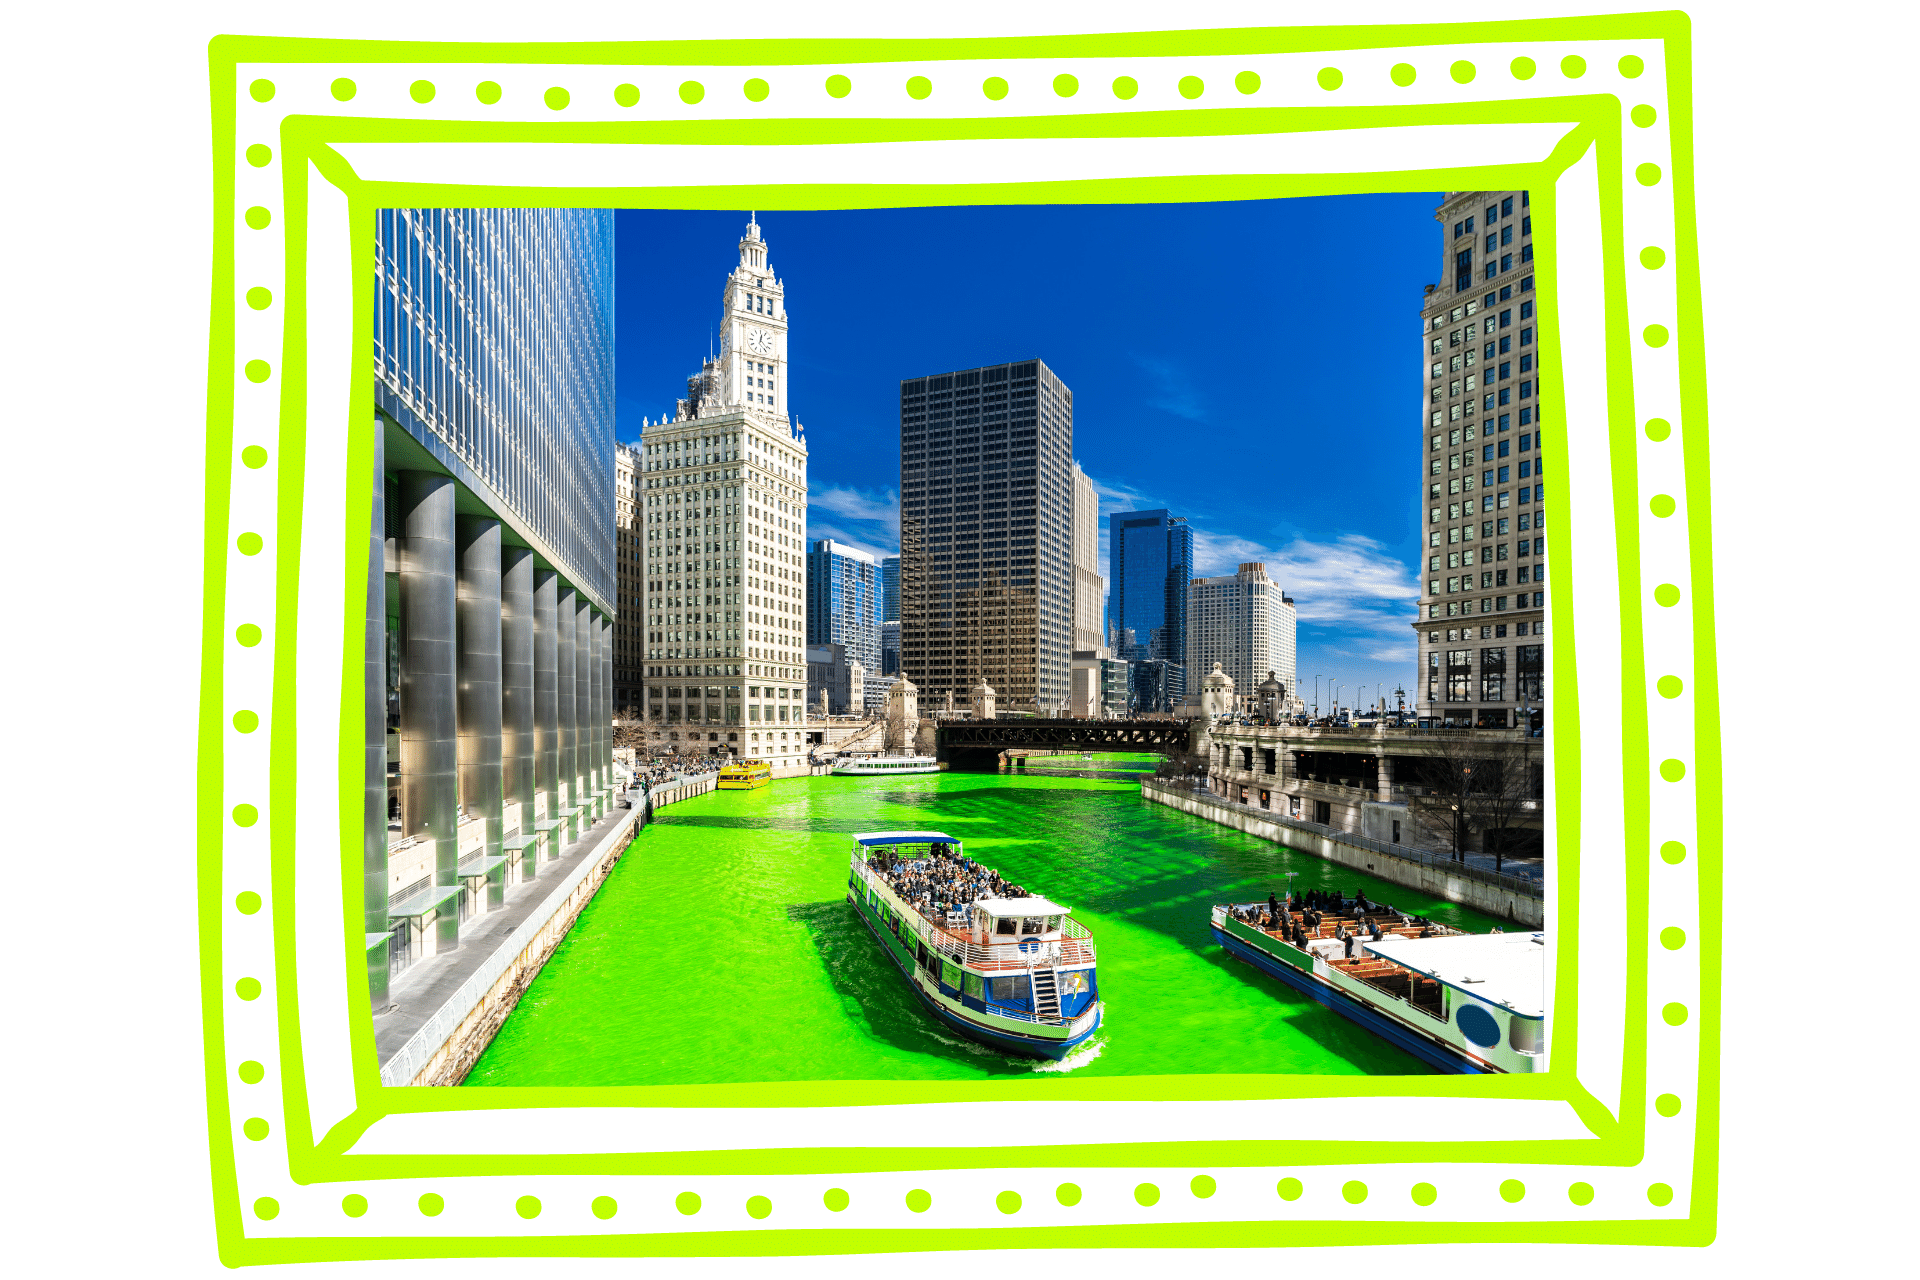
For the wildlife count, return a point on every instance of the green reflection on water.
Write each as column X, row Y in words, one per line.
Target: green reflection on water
column 722, row 948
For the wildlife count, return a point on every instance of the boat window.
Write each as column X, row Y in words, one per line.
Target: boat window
column 1524, row 1034
column 1074, row 980
column 1053, row 924
column 1033, row 924
column 1007, row 990
column 1006, row 926
column 974, row 985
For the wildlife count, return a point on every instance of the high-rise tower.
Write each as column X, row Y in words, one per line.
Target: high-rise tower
column 1482, row 615
column 723, row 500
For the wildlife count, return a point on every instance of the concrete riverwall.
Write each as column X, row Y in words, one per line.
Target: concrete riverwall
column 452, row 1039
column 1436, row 881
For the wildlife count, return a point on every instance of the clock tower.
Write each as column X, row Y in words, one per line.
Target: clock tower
column 753, row 331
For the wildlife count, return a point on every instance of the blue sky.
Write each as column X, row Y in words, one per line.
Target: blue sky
column 1254, row 366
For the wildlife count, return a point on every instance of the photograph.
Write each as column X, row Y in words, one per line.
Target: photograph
column 805, row 658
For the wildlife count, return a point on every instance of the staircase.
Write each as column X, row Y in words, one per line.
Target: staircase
column 1046, row 994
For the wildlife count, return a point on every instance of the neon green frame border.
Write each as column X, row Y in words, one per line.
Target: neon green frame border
column 1594, row 124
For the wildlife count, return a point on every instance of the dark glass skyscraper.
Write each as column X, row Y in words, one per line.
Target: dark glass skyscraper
column 491, row 580
column 1152, row 559
column 890, row 589
column 843, row 600
column 986, row 570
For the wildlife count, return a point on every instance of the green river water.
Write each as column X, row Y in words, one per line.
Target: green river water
column 722, row 948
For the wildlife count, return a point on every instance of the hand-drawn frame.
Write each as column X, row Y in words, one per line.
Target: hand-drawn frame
column 301, row 157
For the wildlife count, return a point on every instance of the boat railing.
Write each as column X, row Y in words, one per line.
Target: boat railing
column 1071, row 948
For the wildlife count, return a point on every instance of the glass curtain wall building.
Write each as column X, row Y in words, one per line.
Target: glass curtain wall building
column 491, row 566
column 843, row 600
column 986, row 566
column 1482, row 616
column 1151, row 556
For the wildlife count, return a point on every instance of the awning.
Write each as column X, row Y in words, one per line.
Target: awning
column 415, row 905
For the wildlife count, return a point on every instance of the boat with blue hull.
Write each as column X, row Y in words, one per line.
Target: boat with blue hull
column 1470, row 1003
column 1001, row 966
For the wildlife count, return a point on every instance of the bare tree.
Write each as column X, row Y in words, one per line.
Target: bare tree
column 1474, row 782
column 629, row 728
column 1449, row 776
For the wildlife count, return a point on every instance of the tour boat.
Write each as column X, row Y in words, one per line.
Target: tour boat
column 1474, row 1003
column 883, row 766
column 1014, row 974
column 744, row 775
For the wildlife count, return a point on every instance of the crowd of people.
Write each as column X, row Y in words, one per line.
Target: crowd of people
column 1303, row 918
column 944, row 883
column 658, row 770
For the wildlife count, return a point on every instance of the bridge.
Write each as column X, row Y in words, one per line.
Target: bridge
column 957, row 739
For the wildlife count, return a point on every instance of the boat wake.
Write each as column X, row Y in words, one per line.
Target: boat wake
column 1078, row 1056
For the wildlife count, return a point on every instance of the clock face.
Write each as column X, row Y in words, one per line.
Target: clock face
column 759, row 341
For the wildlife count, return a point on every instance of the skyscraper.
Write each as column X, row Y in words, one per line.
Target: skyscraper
column 1245, row 623
column 723, row 507
column 1151, row 554
column 1089, row 588
column 890, row 589
column 628, row 692
column 1481, row 620
column 491, row 571
column 986, row 504
column 843, row 600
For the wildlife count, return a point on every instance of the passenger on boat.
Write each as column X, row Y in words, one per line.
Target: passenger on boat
column 1273, row 906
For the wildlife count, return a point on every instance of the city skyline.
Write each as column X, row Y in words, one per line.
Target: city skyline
column 1201, row 352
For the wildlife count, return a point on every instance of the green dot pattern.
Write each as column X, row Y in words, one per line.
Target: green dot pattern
column 1661, row 505
column 605, row 1207
column 259, row 155
column 1573, row 66
column 488, row 92
column 1659, row 1195
column 245, row 721
column 259, row 298
column 919, row 1200
column 1289, row 1188
column 1523, row 68
column 758, row 1207
column 251, row 1072
column 266, row 1208
column 1203, row 1186
column 1667, row 1105
column 1674, row 1015
column 557, row 98
column 1581, row 1193
column 1065, row 85
column 343, row 90
column 1007, row 1202
column 1425, row 1193
column 353, row 1205
column 253, row 457
column 687, row 1202
column 245, row 815
column 1329, row 78
column 1354, row 1192
column 1673, row 853
column 1655, row 335
column 1402, row 74
column 261, row 90
column 258, row 371
column 1067, row 1193
column 259, row 218
column 1647, row 174
column 1653, row 257
column 626, row 95
column 838, row 86
column 691, row 91
column 421, row 91
column 1462, row 72
column 1247, row 82
column 1124, row 87
column 1670, row 686
column 1643, row 116
column 249, row 544
column 527, row 1206
column 1673, row 937
column 919, row 87
column 836, row 1200
column 1513, row 1191
column 1631, row 66
column 1672, row 770
column 247, row 635
column 1658, row 429
column 994, row 87
column 247, row 988
column 1666, row 595
column 756, row 90
column 1192, row 87
column 255, row 1129
column 432, row 1203
column 1146, row 1194
column 246, row 902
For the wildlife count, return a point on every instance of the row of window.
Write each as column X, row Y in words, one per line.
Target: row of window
column 1494, row 213
column 1494, row 631
column 1490, row 604
column 1489, row 579
column 1498, row 475
column 1492, row 502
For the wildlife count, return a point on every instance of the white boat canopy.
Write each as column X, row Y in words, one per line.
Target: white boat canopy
column 903, row 837
column 1504, row 969
column 999, row 907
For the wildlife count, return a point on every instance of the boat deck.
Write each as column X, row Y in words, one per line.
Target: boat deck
column 1421, row 992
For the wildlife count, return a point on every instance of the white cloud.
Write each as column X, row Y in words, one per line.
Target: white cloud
column 870, row 522
column 1349, row 582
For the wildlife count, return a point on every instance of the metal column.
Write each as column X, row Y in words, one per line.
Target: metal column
column 546, row 695
column 481, row 783
column 583, row 697
column 568, row 608
column 429, row 756
column 606, row 699
column 374, row 854
column 516, row 691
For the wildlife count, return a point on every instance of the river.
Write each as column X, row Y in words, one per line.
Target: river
column 722, row 948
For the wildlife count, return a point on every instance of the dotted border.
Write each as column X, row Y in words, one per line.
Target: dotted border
column 621, row 1205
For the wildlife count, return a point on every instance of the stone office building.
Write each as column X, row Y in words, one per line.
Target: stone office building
column 1482, row 620
column 986, row 537
column 491, row 579
column 722, row 542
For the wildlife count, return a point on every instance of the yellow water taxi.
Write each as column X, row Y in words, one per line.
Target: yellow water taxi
column 745, row 775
